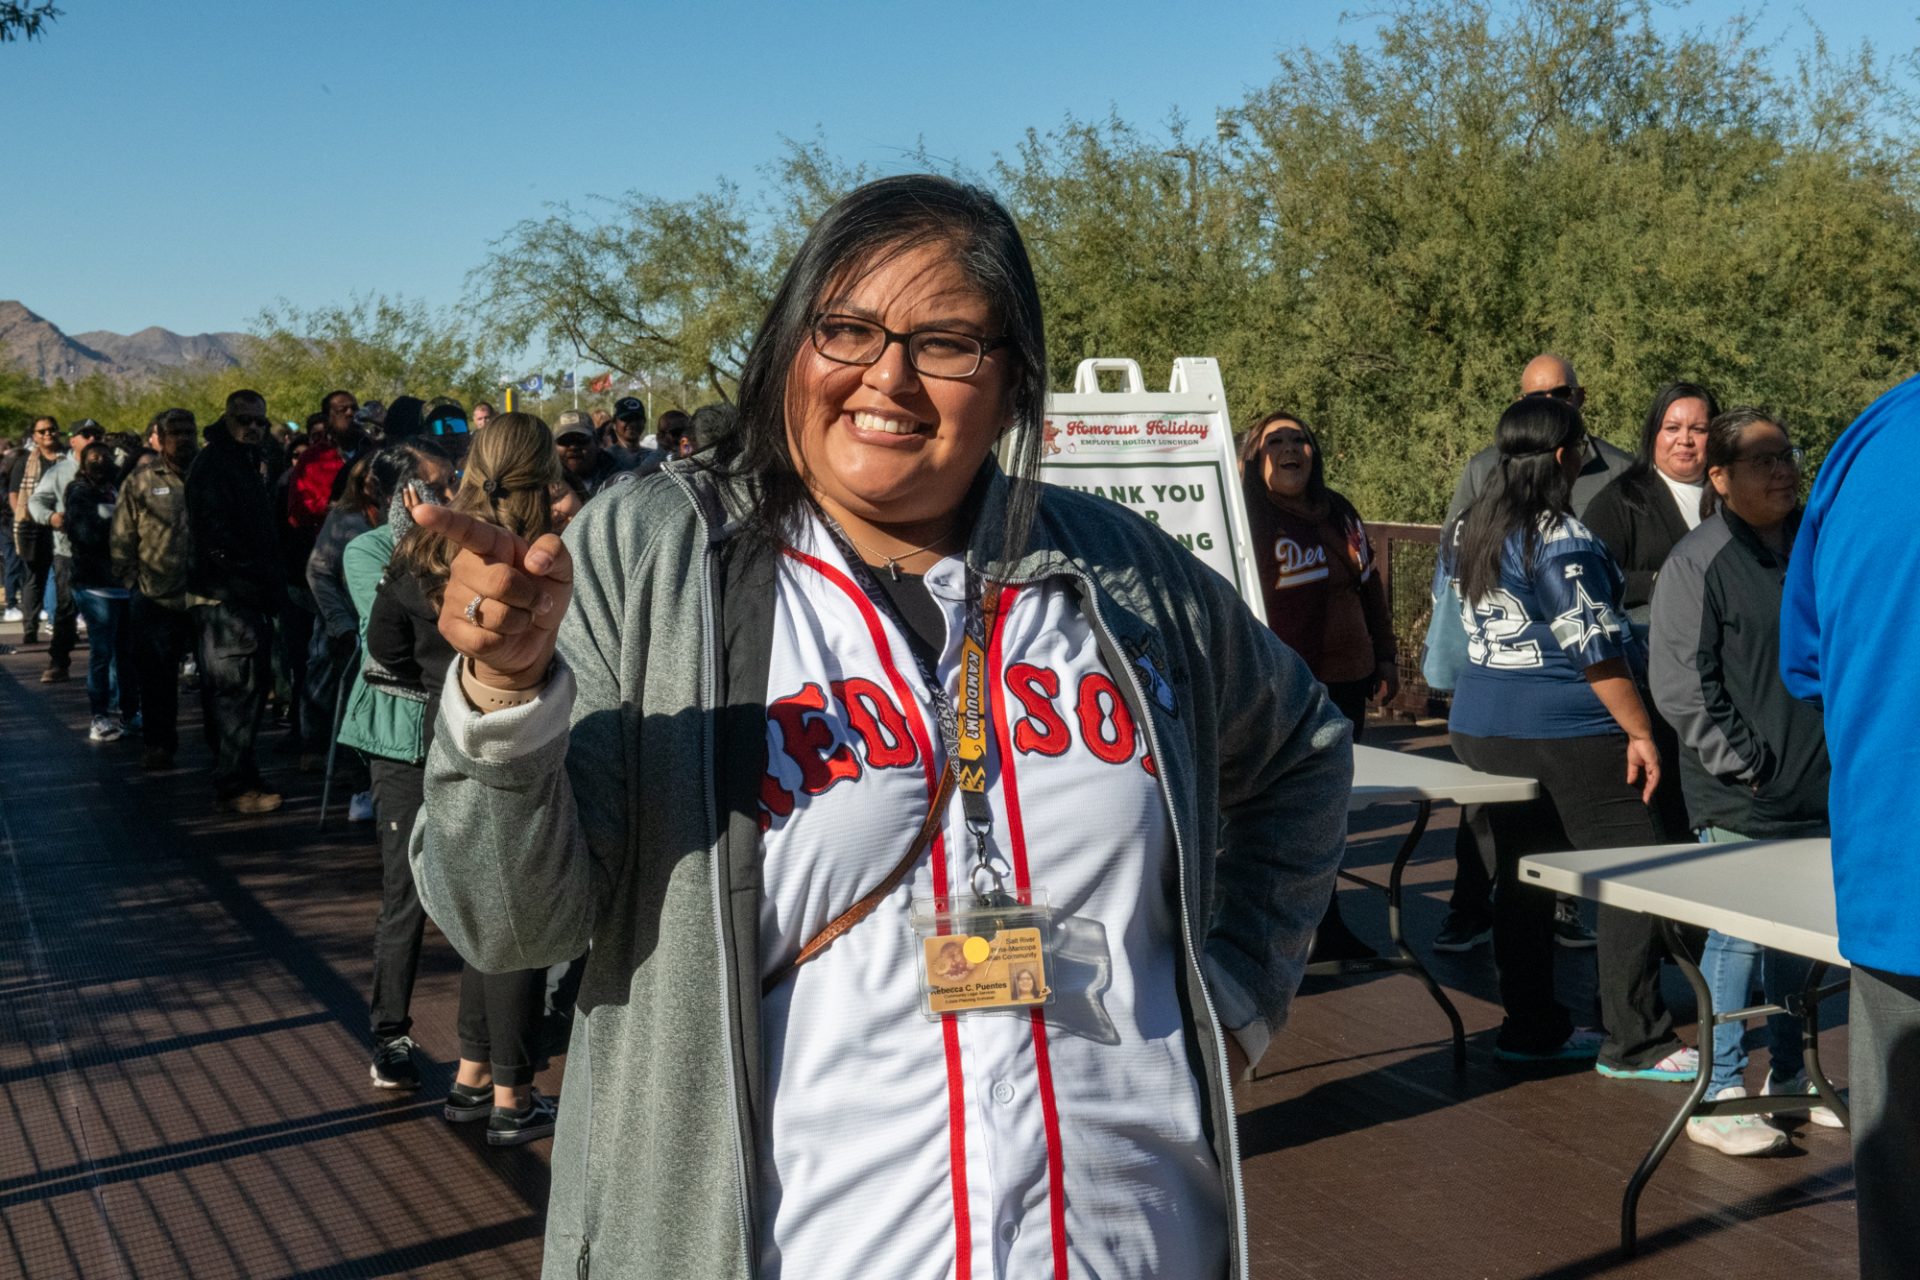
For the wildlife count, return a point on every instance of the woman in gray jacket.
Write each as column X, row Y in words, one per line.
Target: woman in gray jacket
column 899, row 696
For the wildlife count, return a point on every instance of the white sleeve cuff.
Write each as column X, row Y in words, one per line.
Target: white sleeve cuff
column 512, row 733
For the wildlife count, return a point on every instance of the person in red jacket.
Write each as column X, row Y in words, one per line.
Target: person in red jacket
column 1322, row 591
column 335, row 443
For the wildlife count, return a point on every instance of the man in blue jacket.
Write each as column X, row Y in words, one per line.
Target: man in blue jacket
column 1847, row 644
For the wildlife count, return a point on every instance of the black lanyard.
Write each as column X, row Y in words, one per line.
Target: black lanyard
column 963, row 733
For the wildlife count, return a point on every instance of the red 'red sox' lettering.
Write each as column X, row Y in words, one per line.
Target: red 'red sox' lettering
column 1042, row 730
column 1100, row 704
column 807, row 738
column 879, row 723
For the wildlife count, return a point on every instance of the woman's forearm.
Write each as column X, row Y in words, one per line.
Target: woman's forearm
column 1621, row 697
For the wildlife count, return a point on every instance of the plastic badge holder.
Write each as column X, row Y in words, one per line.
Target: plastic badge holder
column 989, row 954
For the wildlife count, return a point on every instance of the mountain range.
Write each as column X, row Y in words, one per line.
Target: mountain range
column 39, row 348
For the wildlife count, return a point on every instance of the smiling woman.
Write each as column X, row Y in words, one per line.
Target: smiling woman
column 838, row 616
column 1652, row 505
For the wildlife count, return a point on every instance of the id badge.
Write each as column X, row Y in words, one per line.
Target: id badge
column 984, row 956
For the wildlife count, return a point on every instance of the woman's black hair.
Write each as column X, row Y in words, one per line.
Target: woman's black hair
column 1723, row 445
column 395, row 467
column 865, row 228
column 1664, row 399
column 1528, row 488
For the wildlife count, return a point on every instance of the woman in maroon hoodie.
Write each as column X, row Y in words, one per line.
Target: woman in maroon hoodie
column 1322, row 591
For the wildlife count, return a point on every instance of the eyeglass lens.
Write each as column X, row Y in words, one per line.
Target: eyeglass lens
column 934, row 352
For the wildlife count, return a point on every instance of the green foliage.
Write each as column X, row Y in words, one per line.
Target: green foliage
column 1396, row 228
column 668, row 290
column 1378, row 241
column 25, row 21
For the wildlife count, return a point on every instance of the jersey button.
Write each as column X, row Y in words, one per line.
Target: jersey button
column 1003, row 1093
column 1009, row 1231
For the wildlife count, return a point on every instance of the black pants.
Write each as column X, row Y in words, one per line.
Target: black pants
column 396, row 934
column 1473, row 860
column 1884, row 1017
column 161, row 638
column 42, row 564
column 236, row 670
column 500, row 1021
column 1585, row 803
column 311, row 723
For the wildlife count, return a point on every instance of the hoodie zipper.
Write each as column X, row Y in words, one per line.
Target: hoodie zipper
column 707, row 684
column 1143, row 714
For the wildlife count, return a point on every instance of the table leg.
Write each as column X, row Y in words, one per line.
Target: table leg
column 1630, row 1205
column 1412, row 961
column 1810, row 1040
column 1404, row 960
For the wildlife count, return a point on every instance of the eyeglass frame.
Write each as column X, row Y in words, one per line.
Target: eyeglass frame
column 889, row 337
column 1793, row 455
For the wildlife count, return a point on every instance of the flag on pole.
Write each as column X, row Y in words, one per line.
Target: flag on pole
column 566, row 380
column 602, row 383
column 534, row 385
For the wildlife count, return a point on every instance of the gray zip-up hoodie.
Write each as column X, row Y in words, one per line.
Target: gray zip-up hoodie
column 526, row 855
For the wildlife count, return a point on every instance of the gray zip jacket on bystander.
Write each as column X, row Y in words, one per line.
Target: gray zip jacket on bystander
column 635, row 830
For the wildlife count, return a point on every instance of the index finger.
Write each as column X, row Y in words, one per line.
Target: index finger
column 488, row 541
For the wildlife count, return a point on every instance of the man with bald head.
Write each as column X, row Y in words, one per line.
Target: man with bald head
column 1547, row 375
column 1469, row 921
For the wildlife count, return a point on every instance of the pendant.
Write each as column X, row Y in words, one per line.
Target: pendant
column 893, row 568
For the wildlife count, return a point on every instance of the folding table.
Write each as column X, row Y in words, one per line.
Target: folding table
column 1778, row 893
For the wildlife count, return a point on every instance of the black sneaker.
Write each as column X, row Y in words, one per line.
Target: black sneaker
column 1462, row 933
column 510, row 1128
column 468, row 1102
column 1567, row 929
column 393, row 1066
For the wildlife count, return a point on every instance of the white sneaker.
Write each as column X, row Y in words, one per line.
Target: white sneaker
column 1735, row 1135
column 360, row 807
column 12, row 615
column 105, row 729
column 1822, row 1116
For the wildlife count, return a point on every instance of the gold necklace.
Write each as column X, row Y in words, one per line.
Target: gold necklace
column 893, row 562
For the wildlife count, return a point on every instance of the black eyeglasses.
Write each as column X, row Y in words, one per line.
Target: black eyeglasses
column 252, row 420
column 937, row 353
column 47, row 431
column 1565, row 391
column 1793, row 458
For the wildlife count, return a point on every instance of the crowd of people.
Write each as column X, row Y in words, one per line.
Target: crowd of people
column 249, row 560
column 850, row 608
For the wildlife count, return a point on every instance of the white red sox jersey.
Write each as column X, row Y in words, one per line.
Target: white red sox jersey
column 1056, row 1141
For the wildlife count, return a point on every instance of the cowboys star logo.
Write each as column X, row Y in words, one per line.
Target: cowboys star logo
column 1585, row 619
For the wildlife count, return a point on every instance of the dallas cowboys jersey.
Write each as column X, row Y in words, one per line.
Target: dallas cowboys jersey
column 1531, row 639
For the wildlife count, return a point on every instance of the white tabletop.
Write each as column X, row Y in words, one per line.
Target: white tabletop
column 1778, row 893
column 1393, row 777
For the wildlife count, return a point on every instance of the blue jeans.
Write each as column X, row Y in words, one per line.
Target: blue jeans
column 1728, row 965
column 109, row 656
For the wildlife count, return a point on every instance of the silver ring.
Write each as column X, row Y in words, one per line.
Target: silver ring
column 473, row 610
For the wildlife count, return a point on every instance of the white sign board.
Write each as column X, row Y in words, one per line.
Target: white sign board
column 1167, row 455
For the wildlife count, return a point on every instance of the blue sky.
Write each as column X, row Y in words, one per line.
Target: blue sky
column 184, row 164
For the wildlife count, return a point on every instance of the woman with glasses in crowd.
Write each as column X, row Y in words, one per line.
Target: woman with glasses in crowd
column 1322, row 591
column 1755, row 764
column 756, row 1079
column 1550, row 691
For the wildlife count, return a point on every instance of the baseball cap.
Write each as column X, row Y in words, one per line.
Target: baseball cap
column 574, row 422
column 88, row 427
column 629, row 407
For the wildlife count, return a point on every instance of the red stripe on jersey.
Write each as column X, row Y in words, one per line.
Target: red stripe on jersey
column 1017, row 842
column 949, row 1027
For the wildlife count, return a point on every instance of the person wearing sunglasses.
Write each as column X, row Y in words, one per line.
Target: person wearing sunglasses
column 1469, row 921
column 236, row 568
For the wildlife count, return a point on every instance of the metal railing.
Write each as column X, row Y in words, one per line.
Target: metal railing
column 1407, row 553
